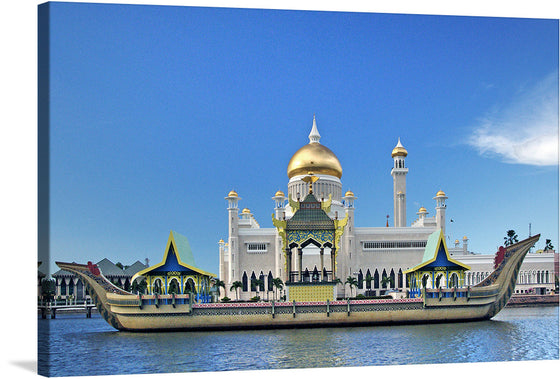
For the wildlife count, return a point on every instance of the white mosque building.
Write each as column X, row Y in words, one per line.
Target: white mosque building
column 376, row 256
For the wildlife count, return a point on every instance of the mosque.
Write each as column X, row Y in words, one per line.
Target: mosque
column 326, row 248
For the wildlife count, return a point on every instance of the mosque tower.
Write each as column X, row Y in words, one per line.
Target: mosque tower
column 440, row 210
column 232, row 252
column 398, row 173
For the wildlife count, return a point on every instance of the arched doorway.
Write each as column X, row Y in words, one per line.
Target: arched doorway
column 174, row 287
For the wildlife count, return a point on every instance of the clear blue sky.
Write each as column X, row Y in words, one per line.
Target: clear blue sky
column 157, row 112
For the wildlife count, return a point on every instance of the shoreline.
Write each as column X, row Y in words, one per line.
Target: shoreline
column 532, row 300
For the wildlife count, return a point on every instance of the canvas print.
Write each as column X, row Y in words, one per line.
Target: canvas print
column 230, row 189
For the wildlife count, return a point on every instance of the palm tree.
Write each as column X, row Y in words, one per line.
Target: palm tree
column 234, row 286
column 511, row 238
column 220, row 283
column 278, row 284
column 368, row 279
column 352, row 282
column 386, row 280
column 257, row 283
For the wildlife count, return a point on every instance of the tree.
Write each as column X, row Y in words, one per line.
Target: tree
column 386, row 280
column 139, row 287
column 511, row 238
column 278, row 284
column 234, row 286
column 173, row 287
column 220, row 283
column 257, row 283
column 352, row 282
column 368, row 280
column 548, row 245
column 48, row 289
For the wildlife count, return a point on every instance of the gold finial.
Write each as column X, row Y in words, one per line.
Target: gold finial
column 310, row 178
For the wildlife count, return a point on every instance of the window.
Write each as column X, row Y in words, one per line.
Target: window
column 372, row 245
column 256, row 248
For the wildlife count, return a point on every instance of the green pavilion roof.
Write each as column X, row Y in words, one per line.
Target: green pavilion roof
column 178, row 256
column 310, row 215
column 437, row 255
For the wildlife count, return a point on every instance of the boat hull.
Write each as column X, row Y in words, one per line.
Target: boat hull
column 302, row 314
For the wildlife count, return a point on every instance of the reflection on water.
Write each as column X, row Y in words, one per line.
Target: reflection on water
column 80, row 346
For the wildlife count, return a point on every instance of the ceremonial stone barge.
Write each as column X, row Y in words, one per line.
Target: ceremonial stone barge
column 129, row 312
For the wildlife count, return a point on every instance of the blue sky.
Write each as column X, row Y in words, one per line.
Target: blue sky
column 157, row 112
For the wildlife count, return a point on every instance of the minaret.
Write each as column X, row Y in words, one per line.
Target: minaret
column 233, row 240
column 223, row 267
column 352, row 260
column 440, row 210
column 280, row 214
column 398, row 173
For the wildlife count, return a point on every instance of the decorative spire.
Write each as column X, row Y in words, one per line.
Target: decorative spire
column 314, row 136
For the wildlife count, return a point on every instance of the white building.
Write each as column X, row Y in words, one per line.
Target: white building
column 368, row 253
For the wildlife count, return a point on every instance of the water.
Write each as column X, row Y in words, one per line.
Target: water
column 80, row 346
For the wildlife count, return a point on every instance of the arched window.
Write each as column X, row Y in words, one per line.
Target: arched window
column 453, row 280
column 368, row 279
column 425, row 279
column 384, row 279
column 63, row 287
column 315, row 276
column 400, row 281
column 173, row 286
column 360, row 280
column 79, row 289
column 190, row 286
column 245, row 282
column 270, row 279
column 261, row 285
column 376, row 279
column 253, row 278
column 156, row 287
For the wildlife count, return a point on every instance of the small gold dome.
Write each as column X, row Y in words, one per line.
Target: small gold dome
column 440, row 193
column 221, row 241
column 465, row 237
column 349, row 193
column 232, row 193
column 399, row 150
column 422, row 210
column 457, row 241
column 246, row 210
column 279, row 193
column 315, row 158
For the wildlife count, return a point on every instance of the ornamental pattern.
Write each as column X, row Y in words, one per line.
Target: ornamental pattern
column 300, row 236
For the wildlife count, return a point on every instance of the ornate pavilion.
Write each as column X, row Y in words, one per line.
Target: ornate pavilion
column 437, row 269
column 177, row 272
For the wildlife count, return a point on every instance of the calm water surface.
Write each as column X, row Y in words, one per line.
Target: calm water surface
column 80, row 346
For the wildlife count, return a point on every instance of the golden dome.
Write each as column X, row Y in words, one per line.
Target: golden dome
column 221, row 241
column 422, row 210
column 456, row 241
column 440, row 193
column 232, row 193
column 399, row 150
column 315, row 158
column 349, row 193
column 246, row 210
column 279, row 193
